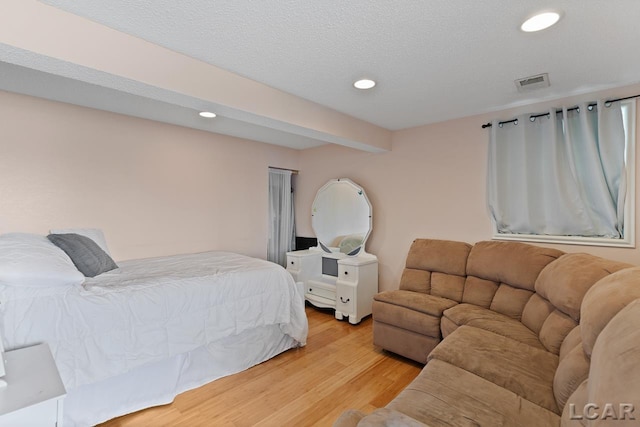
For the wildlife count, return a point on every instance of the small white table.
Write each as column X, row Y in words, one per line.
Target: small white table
column 34, row 392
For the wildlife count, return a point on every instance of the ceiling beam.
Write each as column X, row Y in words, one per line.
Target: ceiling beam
column 44, row 38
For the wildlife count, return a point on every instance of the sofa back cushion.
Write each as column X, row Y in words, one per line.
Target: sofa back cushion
column 604, row 300
column 614, row 373
column 565, row 282
column 560, row 289
column 614, row 370
column 436, row 267
column 516, row 264
column 573, row 368
column 501, row 275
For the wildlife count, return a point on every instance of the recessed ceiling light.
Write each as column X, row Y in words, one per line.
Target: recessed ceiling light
column 540, row 22
column 364, row 84
column 207, row 114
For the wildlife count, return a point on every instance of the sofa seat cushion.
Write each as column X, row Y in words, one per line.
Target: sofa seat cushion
column 446, row 395
column 478, row 317
column 417, row 301
column 518, row 367
column 413, row 311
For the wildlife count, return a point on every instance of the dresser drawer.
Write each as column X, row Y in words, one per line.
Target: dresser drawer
column 293, row 263
column 348, row 273
column 320, row 289
column 345, row 299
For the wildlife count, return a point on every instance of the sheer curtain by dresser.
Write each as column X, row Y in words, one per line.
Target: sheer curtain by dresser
column 281, row 216
column 561, row 174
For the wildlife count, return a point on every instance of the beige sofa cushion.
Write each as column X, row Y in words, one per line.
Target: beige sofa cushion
column 479, row 291
column 555, row 329
column 407, row 318
column 436, row 267
column 518, row 367
column 516, row 264
column 447, row 286
column 478, row 317
column 446, row 395
column 536, row 312
column 399, row 309
column 615, row 371
column 443, row 256
column 417, row 301
column 408, row 323
column 562, row 285
column 573, row 339
column 565, row 282
column 416, row 280
column 578, row 399
column 572, row 371
column 510, row 301
column 605, row 300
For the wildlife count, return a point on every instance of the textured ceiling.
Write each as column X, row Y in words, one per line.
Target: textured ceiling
column 433, row 60
column 290, row 64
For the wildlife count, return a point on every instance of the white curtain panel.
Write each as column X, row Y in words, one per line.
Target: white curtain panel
column 561, row 174
column 281, row 216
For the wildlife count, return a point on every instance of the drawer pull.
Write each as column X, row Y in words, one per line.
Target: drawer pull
column 292, row 262
column 346, row 272
column 310, row 289
column 343, row 301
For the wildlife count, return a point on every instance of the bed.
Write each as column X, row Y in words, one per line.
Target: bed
column 137, row 336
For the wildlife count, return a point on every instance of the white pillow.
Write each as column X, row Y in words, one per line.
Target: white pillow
column 32, row 260
column 94, row 234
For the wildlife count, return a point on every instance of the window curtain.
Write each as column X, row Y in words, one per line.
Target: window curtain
column 562, row 174
column 281, row 216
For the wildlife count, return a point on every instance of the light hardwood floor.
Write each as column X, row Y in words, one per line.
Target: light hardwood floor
column 311, row 386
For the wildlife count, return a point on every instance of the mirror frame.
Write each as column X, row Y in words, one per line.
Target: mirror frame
column 360, row 249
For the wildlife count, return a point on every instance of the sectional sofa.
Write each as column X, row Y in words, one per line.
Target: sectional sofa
column 512, row 335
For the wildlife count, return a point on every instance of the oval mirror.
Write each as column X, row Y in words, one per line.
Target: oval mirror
column 341, row 217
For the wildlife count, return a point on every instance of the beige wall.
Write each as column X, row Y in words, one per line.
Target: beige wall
column 432, row 185
column 158, row 189
column 155, row 189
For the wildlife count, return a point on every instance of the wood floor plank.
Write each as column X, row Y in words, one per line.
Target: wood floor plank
column 339, row 369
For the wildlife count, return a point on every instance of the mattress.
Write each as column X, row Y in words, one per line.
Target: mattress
column 152, row 310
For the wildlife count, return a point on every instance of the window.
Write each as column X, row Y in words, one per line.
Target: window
column 566, row 176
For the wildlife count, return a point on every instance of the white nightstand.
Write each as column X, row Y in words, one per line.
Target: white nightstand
column 34, row 394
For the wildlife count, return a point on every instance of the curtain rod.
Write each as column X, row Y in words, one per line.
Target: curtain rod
column 533, row 117
column 293, row 171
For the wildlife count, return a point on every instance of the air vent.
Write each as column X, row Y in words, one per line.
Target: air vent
column 528, row 84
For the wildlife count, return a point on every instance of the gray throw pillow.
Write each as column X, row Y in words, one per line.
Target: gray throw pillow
column 86, row 255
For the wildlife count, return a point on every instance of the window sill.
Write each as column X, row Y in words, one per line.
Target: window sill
column 628, row 242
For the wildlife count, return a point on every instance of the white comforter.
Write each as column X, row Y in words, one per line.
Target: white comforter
column 148, row 310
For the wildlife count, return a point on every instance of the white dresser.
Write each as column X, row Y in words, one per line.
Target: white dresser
column 338, row 273
column 335, row 280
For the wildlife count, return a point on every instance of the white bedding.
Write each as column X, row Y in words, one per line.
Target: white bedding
column 151, row 310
